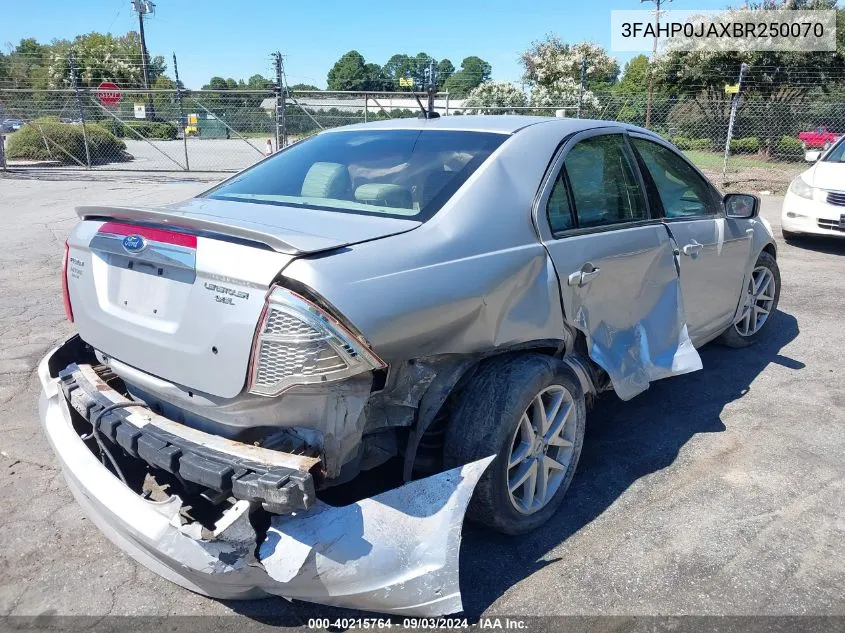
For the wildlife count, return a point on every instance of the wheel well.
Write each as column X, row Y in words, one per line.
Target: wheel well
column 434, row 407
column 771, row 250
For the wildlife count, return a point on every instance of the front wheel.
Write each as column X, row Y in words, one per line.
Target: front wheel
column 759, row 302
column 529, row 411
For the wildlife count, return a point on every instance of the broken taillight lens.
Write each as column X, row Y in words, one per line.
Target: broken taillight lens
column 65, row 292
column 298, row 343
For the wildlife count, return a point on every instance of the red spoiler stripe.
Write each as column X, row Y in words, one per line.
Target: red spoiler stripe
column 162, row 236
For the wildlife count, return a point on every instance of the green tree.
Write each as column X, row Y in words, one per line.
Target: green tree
column 26, row 65
column 376, row 78
column 216, row 83
column 398, row 67
column 348, row 73
column 258, row 82
column 635, row 76
column 474, row 71
column 445, row 69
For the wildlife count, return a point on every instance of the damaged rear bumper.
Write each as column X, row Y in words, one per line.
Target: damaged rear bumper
column 396, row 552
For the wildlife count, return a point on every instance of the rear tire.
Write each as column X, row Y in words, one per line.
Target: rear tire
column 501, row 412
column 760, row 300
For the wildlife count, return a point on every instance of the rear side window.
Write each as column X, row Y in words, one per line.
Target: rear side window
column 558, row 208
column 398, row 173
column 604, row 185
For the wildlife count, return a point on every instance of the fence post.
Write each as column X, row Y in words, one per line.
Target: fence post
column 734, row 104
column 583, row 81
column 447, row 104
column 183, row 122
column 366, row 101
column 79, row 105
column 2, row 150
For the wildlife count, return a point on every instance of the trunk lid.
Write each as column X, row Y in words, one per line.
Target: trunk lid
column 177, row 292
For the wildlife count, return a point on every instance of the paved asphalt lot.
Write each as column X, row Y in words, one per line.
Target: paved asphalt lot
column 719, row 492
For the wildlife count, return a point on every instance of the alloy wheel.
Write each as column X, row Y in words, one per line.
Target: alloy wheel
column 758, row 301
column 541, row 449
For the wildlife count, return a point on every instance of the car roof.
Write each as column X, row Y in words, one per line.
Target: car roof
column 499, row 123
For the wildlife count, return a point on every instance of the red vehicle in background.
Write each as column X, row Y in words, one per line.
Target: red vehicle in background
column 820, row 138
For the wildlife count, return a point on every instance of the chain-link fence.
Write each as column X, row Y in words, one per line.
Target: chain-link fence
column 224, row 131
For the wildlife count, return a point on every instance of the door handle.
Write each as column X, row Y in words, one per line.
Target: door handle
column 693, row 248
column 584, row 276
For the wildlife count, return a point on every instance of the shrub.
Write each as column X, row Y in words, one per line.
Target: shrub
column 157, row 130
column 789, row 148
column 685, row 143
column 64, row 142
column 749, row 145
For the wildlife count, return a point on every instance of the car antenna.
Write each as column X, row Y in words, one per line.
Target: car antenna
column 428, row 113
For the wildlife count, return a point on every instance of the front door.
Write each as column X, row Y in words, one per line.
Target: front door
column 616, row 264
column 714, row 250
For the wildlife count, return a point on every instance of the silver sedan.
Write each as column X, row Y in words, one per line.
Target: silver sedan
column 436, row 301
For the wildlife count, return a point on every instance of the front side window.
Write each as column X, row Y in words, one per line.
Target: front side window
column 398, row 173
column 604, row 184
column 683, row 193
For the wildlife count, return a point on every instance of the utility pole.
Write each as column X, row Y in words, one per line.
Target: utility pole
column 657, row 4
column 183, row 122
column 281, row 94
column 583, row 83
column 734, row 104
column 75, row 84
column 142, row 8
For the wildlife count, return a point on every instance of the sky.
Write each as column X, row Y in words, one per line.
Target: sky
column 235, row 39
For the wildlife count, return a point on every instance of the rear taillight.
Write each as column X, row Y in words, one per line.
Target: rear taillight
column 65, row 292
column 298, row 343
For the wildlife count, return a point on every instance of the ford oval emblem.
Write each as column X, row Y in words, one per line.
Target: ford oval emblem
column 134, row 244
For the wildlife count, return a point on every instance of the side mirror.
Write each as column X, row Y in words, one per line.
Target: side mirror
column 741, row 205
column 811, row 156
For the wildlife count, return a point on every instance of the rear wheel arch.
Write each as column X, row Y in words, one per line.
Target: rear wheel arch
column 446, row 388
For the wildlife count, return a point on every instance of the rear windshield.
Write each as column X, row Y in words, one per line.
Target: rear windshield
column 398, row 173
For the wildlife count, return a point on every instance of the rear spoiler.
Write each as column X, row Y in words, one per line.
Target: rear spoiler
column 229, row 230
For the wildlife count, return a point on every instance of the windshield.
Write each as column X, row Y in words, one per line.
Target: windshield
column 837, row 154
column 398, row 173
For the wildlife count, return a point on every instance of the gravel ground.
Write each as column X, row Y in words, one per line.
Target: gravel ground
column 718, row 492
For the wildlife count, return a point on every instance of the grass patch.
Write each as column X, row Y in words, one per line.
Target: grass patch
column 713, row 160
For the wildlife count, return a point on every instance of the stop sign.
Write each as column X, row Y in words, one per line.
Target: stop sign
column 109, row 93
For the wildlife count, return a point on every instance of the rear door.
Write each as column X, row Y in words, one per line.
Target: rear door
column 714, row 249
column 616, row 262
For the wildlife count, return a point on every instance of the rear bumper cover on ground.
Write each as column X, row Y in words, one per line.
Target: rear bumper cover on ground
column 395, row 553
